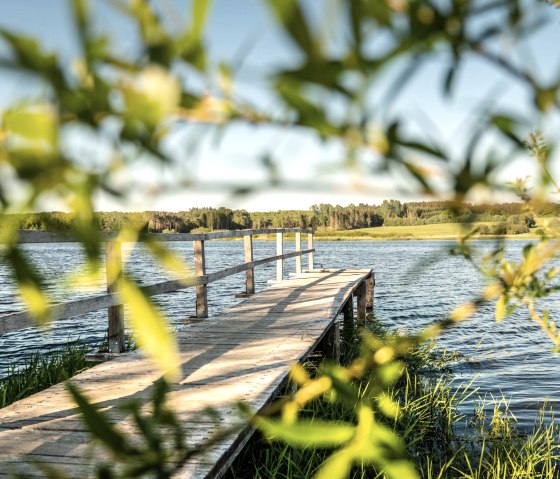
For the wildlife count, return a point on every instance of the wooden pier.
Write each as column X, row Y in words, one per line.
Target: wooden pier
column 242, row 354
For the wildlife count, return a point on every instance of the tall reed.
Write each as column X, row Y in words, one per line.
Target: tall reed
column 42, row 370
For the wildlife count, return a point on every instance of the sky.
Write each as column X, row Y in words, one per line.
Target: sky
column 244, row 30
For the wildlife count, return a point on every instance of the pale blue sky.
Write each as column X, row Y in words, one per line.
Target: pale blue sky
column 234, row 26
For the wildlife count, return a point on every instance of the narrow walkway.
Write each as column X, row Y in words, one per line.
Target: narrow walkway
column 241, row 355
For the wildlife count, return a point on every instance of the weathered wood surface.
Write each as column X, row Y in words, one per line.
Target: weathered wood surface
column 241, row 355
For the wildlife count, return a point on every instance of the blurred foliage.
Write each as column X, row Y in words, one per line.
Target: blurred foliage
column 135, row 101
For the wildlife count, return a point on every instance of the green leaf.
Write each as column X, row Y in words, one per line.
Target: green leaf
column 99, row 425
column 501, row 305
column 293, row 20
column 151, row 330
column 400, row 469
column 306, row 433
column 30, row 284
column 337, row 466
column 169, row 260
column 507, row 125
column 200, row 9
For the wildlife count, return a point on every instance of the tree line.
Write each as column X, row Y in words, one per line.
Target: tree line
column 319, row 217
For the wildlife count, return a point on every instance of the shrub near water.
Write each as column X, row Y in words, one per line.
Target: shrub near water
column 488, row 446
column 41, row 371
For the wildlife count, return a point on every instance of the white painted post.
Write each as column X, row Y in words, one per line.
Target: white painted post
column 279, row 251
column 298, row 248
column 310, row 246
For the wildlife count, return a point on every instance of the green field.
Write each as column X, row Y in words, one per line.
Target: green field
column 435, row 231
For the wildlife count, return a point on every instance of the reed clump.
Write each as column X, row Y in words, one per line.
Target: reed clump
column 441, row 442
column 42, row 370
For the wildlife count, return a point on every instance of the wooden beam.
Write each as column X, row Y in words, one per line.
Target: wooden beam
column 361, row 302
column 200, row 270
column 279, row 253
column 250, row 273
column 113, row 266
column 370, row 286
column 331, row 342
column 348, row 321
column 298, row 248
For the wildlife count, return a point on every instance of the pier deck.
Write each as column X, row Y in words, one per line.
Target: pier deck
column 243, row 354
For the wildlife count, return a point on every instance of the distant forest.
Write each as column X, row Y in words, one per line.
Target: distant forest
column 320, row 217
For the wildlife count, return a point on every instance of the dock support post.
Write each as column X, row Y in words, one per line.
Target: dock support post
column 298, row 248
column 200, row 270
column 113, row 269
column 310, row 246
column 348, row 322
column 250, row 273
column 279, row 251
column 361, row 303
column 370, row 285
column 331, row 342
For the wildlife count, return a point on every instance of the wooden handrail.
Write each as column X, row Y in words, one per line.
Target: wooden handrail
column 112, row 302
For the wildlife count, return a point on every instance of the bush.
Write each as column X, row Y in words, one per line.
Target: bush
column 500, row 229
column 517, row 229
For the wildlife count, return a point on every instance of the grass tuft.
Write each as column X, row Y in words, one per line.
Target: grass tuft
column 41, row 371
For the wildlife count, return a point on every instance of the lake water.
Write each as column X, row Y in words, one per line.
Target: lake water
column 416, row 282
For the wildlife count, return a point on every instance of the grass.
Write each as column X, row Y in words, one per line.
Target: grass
column 487, row 446
column 434, row 231
column 43, row 370
column 380, row 233
column 40, row 371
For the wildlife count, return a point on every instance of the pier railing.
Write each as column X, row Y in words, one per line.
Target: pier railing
column 200, row 280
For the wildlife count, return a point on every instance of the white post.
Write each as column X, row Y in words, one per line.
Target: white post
column 279, row 251
column 298, row 248
column 310, row 246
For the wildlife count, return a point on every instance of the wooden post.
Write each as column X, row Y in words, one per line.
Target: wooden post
column 113, row 269
column 331, row 342
column 250, row 273
column 298, row 248
column 310, row 246
column 370, row 284
column 361, row 303
column 348, row 322
column 279, row 251
column 200, row 270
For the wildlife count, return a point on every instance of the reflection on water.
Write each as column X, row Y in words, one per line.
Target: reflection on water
column 416, row 282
